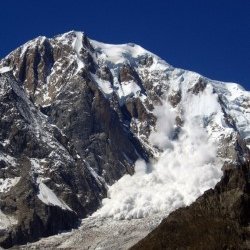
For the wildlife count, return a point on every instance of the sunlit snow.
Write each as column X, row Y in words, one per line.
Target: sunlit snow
column 5, row 69
column 47, row 196
column 117, row 54
column 7, row 183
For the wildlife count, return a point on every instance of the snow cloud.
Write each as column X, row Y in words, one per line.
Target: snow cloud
column 186, row 168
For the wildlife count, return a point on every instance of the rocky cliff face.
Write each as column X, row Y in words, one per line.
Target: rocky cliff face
column 77, row 114
column 45, row 186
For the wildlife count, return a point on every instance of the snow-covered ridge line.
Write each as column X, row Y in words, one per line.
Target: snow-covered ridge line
column 161, row 73
column 120, row 53
column 112, row 53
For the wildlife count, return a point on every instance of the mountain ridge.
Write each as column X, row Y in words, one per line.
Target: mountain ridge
column 109, row 107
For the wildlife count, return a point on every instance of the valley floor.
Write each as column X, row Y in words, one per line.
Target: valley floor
column 100, row 233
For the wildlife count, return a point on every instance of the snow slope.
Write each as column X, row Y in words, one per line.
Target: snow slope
column 47, row 196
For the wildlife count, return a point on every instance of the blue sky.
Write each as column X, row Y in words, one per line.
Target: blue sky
column 211, row 37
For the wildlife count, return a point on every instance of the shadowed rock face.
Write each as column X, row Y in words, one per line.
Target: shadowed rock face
column 73, row 102
column 34, row 148
column 97, row 137
column 217, row 220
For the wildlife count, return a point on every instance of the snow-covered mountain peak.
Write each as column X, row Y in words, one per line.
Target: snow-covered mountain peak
column 121, row 71
column 72, row 53
column 84, row 115
column 125, row 71
column 119, row 54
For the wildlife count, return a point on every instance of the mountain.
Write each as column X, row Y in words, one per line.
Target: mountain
column 88, row 125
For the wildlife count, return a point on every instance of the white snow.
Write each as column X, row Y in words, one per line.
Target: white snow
column 163, row 128
column 47, row 196
column 77, row 45
column 8, row 159
column 6, row 221
column 188, row 165
column 185, row 166
column 78, row 42
column 203, row 105
column 129, row 88
column 104, row 86
column 7, row 183
column 5, row 69
column 237, row 104
column 37, row 165
column 117, row 54
column 5, row 142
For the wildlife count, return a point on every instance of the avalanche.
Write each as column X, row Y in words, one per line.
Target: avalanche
column 186, row 167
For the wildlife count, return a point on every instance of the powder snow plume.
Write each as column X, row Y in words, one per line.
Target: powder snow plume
column 186, row 167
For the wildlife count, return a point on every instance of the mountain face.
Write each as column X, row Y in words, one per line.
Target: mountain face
column 37, row 161
column 82, row 120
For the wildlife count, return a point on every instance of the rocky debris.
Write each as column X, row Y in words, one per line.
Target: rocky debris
column 104, row 233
